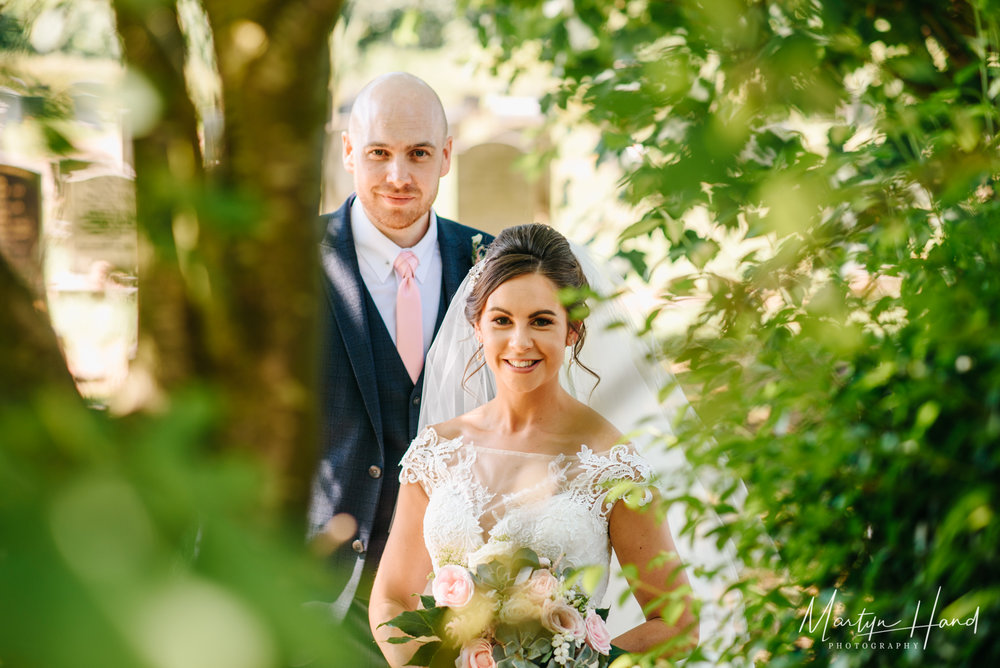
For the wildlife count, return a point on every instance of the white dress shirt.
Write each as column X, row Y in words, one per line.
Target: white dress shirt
column 376, row 255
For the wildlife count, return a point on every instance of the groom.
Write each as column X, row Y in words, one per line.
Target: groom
column 390, row 267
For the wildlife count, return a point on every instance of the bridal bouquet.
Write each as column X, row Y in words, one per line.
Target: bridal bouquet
column 507, row 610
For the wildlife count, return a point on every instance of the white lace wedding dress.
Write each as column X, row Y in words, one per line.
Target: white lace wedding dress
column 485, row 499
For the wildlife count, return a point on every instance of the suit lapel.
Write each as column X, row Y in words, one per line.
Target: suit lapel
column 456, row 257
column 345, row 291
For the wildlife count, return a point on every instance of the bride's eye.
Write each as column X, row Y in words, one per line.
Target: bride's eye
column 501, row 320
column 542, row 322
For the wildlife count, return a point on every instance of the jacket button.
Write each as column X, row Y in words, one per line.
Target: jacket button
column 374, row 471
column 416, row 400
column 358, row 546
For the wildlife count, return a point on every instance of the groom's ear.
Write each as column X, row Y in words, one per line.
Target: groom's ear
column 347, row 155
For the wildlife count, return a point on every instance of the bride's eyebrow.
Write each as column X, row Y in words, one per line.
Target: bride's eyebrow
column 500, row 309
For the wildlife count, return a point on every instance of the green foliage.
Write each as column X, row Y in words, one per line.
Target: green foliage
column 12, row 34
column 422, row 26
column 846, row 363
column 80, row 27
column 128, row 543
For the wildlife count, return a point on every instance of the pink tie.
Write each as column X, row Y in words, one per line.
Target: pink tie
column 409, row 322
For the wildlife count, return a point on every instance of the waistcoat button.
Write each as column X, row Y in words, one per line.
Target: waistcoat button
column 358, row 546
column 374, row 471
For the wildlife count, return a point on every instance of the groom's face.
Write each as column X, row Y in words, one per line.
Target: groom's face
column 398, row 150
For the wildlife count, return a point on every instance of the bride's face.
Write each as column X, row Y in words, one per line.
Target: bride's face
column 524, row 331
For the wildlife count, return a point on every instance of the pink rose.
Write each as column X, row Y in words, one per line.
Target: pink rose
column 453, row 586
column 541, row 585
column 477, row 653
column 563, row 618
column 598, row 636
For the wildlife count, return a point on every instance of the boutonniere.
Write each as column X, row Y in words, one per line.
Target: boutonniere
column 478, row 249
column 478, row 259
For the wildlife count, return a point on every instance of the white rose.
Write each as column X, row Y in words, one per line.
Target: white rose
column 494, row 549
column 517, row 609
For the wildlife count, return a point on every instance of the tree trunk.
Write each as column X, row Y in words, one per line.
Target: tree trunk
column 228, row 288
column 31, row 359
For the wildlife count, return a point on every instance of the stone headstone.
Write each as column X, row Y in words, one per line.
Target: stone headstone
column 91, row 261
column 10, row 107
column 100, row 209
column 492, row 193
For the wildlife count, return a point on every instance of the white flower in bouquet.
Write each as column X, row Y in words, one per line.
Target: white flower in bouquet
column 473, row 620
column 492, row 550
column 517, row 609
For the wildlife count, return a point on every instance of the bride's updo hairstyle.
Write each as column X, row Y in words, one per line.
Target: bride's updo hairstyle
column 532, row 249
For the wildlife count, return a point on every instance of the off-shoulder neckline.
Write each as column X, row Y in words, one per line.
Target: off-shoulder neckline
column 583, row 450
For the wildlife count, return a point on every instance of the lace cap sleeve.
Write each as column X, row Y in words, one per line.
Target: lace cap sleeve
column 426, row 460
column 604, row 472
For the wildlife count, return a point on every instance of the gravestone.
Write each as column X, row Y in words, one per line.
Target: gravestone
column 10, row 107
column 101, row 210
column 492, row 192
column 91, row 260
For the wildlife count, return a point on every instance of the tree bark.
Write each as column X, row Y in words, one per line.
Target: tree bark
column 229, row 289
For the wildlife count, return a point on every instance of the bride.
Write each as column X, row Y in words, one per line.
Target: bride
column 532, row 466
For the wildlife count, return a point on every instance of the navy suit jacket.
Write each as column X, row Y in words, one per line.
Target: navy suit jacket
column 362, row 439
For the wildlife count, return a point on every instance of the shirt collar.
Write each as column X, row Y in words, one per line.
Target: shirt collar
column 379, row 252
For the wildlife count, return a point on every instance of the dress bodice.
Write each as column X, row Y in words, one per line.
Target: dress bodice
column 486, row 499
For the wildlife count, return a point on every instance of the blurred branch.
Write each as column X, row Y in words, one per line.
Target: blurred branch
column 154, row 47
column 32, row 360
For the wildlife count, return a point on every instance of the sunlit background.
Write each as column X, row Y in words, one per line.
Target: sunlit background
column 69, row 219
column 803, row 194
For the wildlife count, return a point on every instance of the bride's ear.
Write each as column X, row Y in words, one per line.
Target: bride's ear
column 572, row 334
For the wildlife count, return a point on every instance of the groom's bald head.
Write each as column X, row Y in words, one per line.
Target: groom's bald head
column 398, row 97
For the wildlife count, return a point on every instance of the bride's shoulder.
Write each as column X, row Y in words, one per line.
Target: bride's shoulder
column 594, row 430
column 433, row 443
column 464, row 426
column 445, row 431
